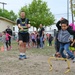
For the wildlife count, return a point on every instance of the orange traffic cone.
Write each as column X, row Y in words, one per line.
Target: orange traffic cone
column 2, row 48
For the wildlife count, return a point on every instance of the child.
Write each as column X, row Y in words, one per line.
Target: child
column 7, row 39
column 50, row 40
column 64, row 38
column 38, row 40
column 33, row 39
column 4, row 40
column 57, row 44
column 72, row 46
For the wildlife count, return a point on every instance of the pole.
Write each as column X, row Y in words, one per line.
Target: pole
column 68, row 10
column 72, row 12
column 3, row 5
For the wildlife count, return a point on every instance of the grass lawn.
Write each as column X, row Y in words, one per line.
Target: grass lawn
column 35, row 64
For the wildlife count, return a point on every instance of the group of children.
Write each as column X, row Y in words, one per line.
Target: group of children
column 35, row 39
column 64, row 40
column 5, row 40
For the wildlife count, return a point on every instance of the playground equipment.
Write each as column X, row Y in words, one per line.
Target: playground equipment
column 57, row 58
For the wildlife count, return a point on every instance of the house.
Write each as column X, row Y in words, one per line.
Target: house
column 4, row 22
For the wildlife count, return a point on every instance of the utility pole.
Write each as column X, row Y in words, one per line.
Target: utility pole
column 68, row 10
column 3, row 5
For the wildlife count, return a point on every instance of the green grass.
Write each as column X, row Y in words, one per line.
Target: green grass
column 47, row 50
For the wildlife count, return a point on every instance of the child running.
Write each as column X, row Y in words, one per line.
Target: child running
column 64, row 38
column 72, row 46
column 4, row 40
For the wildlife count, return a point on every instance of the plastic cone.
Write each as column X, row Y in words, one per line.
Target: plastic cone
column 2, row 48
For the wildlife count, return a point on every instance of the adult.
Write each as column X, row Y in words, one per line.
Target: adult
column 9, row 31
column 23, row 25
column 41, row 33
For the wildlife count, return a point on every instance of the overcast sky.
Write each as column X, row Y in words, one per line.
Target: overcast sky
column 57, row 7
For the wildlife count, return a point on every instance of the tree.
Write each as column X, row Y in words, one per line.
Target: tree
column 13, row 17
column 38, row 13
column 9, row 15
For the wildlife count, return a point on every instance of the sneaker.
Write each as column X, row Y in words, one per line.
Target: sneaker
column 20, row 57
column 74, row 60
column 10, row 47
column 5, row 49
column 24, row 56
column 57, row 54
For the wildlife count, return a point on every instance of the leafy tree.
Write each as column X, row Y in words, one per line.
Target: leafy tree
column 38, row 13
column 9, row 15
column 13, row 17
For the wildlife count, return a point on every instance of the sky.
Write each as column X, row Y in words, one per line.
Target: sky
column 57, row 7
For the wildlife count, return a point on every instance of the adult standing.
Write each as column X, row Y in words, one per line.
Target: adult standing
column 23, row 25
column 41, row 33
column 9, row 31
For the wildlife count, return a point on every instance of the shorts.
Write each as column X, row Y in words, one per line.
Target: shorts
column 23, row 37
column 33, row 40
